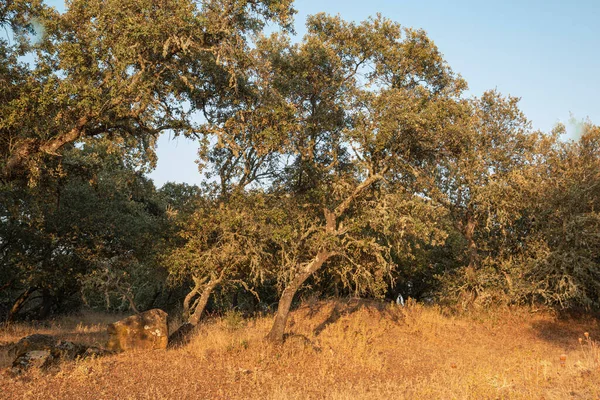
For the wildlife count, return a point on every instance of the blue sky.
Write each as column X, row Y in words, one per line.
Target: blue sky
column 545, row 52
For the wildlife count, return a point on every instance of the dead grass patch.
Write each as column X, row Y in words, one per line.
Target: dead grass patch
column 337, row 350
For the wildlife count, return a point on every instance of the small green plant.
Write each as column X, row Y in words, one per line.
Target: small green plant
column 234, row 320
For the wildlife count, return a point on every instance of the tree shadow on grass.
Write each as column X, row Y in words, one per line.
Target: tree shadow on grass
column 349, row 306
column 302, row 339
column 567, row 328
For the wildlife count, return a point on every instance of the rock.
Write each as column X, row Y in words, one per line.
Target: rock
column 58, row 348
column 32, row 359
column 182, row 335
column 93, row 351
column 68, row 350
column 43, row 351
column 145, row 331
column 34, row 343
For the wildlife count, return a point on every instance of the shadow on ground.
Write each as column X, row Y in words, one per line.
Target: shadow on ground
column 566, row 330
column 347, row 307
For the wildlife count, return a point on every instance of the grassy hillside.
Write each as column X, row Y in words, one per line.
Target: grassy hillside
column 337, row 350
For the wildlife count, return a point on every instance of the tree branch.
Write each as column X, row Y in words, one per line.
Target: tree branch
column 343, row 207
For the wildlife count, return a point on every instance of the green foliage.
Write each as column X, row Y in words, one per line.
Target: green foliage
column 348, row 162
column 223, row 239
column 92, row 220
column 120, row 69
column 562, row 267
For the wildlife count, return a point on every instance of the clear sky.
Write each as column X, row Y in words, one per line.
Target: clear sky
column 547, row 52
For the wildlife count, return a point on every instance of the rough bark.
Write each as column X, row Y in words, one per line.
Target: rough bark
column 187, row 301
column 200, row 304
column 285, row 302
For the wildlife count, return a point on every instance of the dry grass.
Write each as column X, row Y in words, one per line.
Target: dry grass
column 338, row 350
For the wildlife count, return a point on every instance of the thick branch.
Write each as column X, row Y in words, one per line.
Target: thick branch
column 52, row 146
column 343, row 207
column 188, row 298
column 18, row 304
column 129, row 298
column 26, row 148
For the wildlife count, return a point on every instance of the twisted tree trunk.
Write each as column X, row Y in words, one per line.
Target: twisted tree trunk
column 190, row 296
column 200, row 304
column 331, row 219
column 285, row 302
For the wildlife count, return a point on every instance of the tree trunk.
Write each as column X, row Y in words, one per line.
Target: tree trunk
column 47, row 301
column 154, row 298
column 190, row 296
column 235, row 300
column 201, row 303
column 19, row 303
column 469, row 233
column 132, row 305
column 285, row 302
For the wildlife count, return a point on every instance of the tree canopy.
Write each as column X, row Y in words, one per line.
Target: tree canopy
column 350, row 161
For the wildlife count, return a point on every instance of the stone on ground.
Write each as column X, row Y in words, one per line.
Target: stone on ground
column 44, row 351
column 145, row 331
column 35, row 342
column 32, row 359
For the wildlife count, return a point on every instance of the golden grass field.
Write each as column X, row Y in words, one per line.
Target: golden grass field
column 337, row 350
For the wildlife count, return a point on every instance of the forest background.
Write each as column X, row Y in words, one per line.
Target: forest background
column 350, row 162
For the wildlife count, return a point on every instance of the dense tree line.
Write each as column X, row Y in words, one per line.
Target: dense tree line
column 350, row 162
